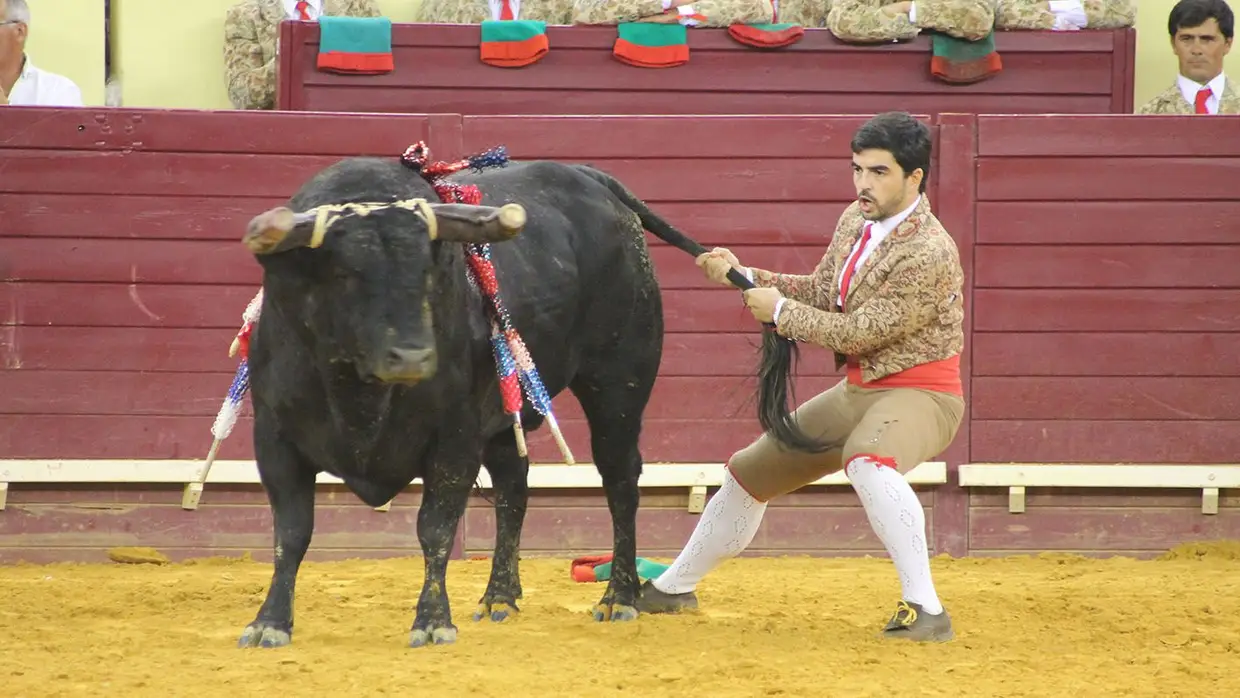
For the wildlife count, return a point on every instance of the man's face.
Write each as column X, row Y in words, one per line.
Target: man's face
column 12, row 35
column 882, row 188
column 1201, row 50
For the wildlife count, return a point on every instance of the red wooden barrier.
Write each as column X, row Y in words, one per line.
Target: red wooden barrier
column 438, row 70
column 1105, row 322
column 1099, row 254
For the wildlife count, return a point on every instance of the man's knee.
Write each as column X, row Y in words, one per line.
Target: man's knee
column 766, row 471
column 909, row 429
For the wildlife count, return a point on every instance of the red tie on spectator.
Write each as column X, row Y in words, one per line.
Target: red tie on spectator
column 506, row 11
column 846, row 282
column 1202, row 95
column 303, row 9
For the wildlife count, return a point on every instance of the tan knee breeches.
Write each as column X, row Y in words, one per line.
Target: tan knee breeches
column 906, row 425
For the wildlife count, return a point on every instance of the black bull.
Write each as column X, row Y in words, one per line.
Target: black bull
column 372, row 359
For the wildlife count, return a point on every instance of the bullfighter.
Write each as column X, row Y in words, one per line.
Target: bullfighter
column 887, row 299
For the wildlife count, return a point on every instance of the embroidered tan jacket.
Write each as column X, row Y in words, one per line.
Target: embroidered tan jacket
column 905, row 306
column 1171, row 101
column 251, row 28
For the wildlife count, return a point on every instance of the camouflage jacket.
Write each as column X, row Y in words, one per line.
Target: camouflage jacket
column 703, row 13
column 1036, row 14
column 251, row 28
column 905, row 305
column 1171, row 101
column 864, row 21
column 805, row 13
column 475, row 11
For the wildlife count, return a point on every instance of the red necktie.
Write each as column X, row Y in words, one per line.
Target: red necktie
column 846, row 282
column 506, row 11
column 303, row 9
column 1202, row 95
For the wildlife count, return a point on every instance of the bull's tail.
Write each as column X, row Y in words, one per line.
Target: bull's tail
column 779, row 355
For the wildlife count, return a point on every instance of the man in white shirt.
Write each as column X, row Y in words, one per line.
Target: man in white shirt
column 21, row 83
column 1201, row 33
column 251, row 28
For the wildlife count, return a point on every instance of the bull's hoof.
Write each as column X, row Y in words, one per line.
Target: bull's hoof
column 432, row 636
column 263, row 634
column 498, row 610
column 614, row 612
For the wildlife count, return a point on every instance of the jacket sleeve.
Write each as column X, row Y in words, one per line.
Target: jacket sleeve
column 810, row 289
column 965, row 19
column 251, row 82
column 863, row 21
column 909, row 299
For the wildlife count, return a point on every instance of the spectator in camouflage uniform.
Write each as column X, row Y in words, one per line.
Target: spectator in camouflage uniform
column 476, row 11
column 698, row 13
column 251, row 28
column 1201, row 33
column 874, row 21
column 1065, row 15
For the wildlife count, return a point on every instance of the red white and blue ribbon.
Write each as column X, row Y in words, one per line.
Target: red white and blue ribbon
column 513, row 363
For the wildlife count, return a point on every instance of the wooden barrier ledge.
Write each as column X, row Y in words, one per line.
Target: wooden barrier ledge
column 1018, row 476
column 695, row 476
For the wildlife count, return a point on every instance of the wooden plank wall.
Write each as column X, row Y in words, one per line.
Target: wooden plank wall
column 125, row 281
column 1105, row 322
column 1102, row 293
column 438, row 70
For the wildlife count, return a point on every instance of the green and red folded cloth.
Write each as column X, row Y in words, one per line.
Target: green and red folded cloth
column 960, row 61
column 597, row 568
column 355, row 45
column 515, row 43
column 651, row 45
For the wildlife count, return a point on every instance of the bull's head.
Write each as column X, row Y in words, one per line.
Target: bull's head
column 366, row 295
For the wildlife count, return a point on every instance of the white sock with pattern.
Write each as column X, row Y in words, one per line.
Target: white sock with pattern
column 727, row 526
column 899, row 521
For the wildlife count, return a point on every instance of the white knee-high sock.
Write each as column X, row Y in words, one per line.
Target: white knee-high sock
column 727, row 526
column 897, row 517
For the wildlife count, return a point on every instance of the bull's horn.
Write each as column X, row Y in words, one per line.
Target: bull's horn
column 478, row 224
column 280, row 229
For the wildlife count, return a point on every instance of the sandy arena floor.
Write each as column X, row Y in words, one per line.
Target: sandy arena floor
column 1053, row 625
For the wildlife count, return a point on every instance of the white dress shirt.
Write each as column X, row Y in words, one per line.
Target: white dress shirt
column 497, row 8
column 878, row 232
column 1189, row 89
column 38, row 88
column 314, row 9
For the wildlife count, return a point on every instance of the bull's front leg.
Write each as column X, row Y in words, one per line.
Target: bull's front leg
column 290, row 491
column 444, row 498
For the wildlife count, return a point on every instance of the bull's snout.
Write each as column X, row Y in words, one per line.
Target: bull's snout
column 406, row 365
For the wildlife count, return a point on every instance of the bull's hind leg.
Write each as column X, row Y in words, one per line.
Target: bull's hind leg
column 290, row 491
column 508, row 469
column 613, row 400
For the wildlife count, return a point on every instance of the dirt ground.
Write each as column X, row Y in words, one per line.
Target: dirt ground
column 1050, row 625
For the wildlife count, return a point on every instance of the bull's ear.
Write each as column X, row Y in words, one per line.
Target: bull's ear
column 478, row 224
column 281, row 229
